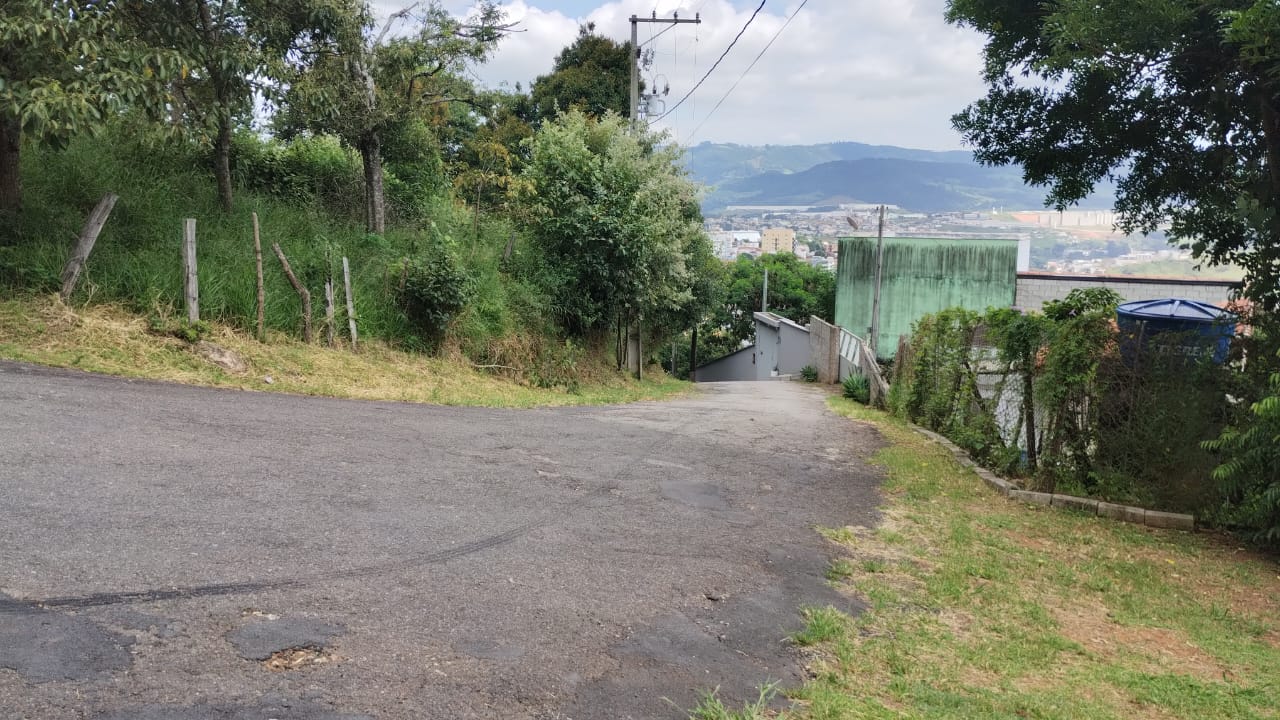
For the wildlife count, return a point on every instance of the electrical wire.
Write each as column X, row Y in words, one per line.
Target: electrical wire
column 744, row 72
column 653, row 37
column 715, row 64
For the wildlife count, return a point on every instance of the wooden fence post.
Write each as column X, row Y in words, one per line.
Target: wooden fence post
column 84, row 246
column 351, row 301
column 262, row 294
column 328, row 310
column 639, row 346
column 302, row 292
column 191, row 279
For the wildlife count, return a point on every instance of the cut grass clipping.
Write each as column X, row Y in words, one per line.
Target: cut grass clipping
column 107, row 339
column 979, row 607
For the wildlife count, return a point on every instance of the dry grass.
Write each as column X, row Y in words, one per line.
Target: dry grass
column 107, row 339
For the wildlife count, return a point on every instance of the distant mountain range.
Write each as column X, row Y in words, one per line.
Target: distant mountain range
column 846, row 172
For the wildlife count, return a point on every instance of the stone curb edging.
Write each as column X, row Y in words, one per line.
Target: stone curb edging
column 1124, row 513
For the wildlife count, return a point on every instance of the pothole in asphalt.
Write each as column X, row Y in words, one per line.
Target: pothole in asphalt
column 295, row 658
column 286, row 643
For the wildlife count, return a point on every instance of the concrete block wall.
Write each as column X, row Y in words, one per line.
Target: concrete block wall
column 824, row 349
column 793, row 349
column 1035, row 289
column 740, row 365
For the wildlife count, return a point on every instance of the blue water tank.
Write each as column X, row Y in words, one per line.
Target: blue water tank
column 1193, row 329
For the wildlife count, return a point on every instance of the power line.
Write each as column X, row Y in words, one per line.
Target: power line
column 653, row 37
column 744, row 72
column 715, row 64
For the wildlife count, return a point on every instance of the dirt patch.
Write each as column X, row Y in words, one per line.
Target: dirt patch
column 1164, row 649
column 1272, row 638
column 298, row 657
column 1253, row 593
column 1033, row 543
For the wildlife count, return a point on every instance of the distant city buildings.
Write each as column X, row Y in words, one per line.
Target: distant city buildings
column 1075, row 241
column 776, row 240
column 730, row 244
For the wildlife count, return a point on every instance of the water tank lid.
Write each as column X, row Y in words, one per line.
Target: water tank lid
column 1175, row 308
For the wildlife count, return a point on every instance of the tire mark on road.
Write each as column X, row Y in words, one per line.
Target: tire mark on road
column 241, row 588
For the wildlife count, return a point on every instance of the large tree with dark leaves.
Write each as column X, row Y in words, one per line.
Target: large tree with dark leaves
column 593, row 75
column 1178, row 101
column 66, row 68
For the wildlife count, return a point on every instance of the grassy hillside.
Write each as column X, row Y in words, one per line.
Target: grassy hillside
column 112, row 340
column 307, row 195
column 137, row 258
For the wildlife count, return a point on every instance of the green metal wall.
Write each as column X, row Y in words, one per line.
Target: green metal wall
column 921, row 276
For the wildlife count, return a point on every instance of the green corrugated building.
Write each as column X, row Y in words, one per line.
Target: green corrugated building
column 921, row 276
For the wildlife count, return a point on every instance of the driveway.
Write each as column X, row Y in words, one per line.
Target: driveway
column 186, row 553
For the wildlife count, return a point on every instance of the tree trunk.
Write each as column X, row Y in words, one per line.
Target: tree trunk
column 222, row 163
column 693, row 355
column 374, row 199
column 10, row 180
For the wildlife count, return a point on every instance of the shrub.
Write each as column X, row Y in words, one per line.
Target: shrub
column 809, row 373
column 1123, row 427
column 309, row 170
column 1249, row 476
column 434, row 288
column 857, row 388
column 556, row 365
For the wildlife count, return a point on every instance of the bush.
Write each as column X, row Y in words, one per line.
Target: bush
column 434, row 289
column 857, row 388
column 556, row 365
column 1051, row 396
column 1249, row 476
column 308, row 170
column 809, row 373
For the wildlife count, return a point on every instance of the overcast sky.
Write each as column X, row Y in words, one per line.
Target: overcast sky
column 875, row 71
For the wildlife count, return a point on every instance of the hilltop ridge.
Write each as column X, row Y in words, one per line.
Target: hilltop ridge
column 843, row 172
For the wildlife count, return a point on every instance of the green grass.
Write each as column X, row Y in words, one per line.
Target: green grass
column 839, row 569
column 508, row 327
column 712, row 708
column 109, row 339
column 979, row 607
column 821, row 624
column 136, row 261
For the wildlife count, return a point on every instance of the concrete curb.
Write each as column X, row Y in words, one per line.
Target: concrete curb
column 1091, row 506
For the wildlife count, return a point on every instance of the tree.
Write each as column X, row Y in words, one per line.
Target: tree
column 796, row 291
column 66, row 67
column 233, row 49
column 492, row 152
column 364, row 83
column 614, row 219
column 593, row 74
column 1178, row 101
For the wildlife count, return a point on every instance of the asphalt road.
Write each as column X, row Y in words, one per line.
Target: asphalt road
column 158, row 542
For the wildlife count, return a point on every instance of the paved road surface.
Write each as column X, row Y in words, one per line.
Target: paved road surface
column 158, row 541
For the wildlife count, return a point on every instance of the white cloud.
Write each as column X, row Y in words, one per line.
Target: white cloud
column 876, row 71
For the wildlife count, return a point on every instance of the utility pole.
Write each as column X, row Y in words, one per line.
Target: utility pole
column 635, row 52
column 764, row 293
column 875, row 300
column 633, row 334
